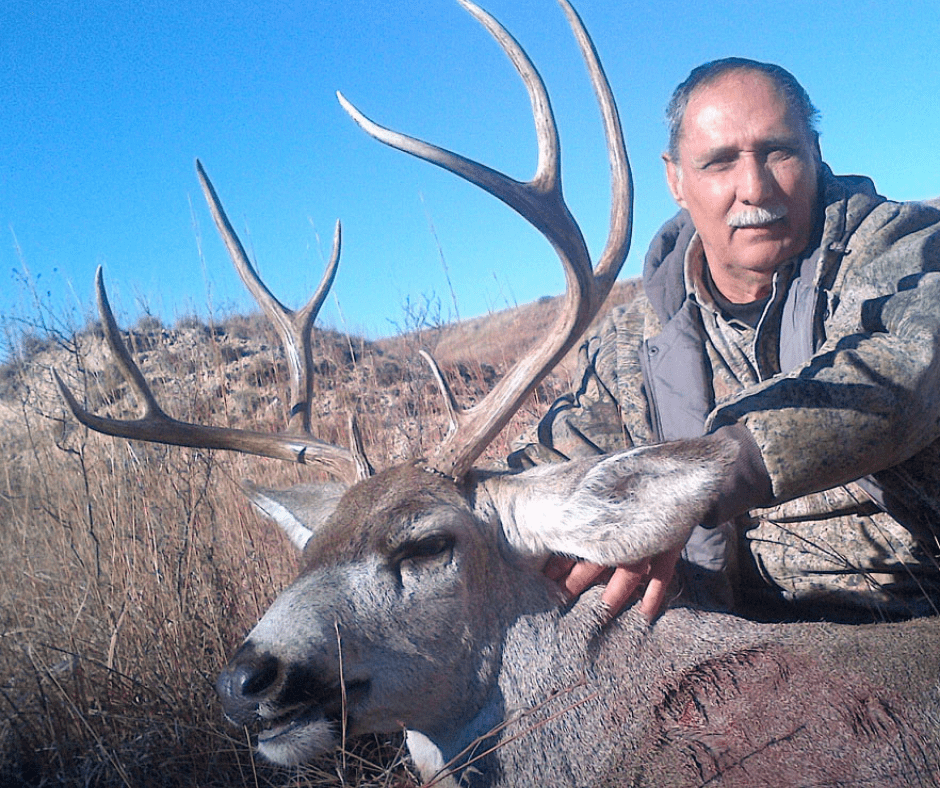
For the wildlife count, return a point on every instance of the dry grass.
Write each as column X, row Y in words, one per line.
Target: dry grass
column 128, row 572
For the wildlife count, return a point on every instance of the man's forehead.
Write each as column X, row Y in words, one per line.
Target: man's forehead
column 740, row 102
column 742, row 87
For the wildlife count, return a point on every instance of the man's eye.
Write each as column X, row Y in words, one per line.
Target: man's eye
column 718, row 163
column 779, row 154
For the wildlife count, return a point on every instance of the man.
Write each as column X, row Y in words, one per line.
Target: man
column 794, row 313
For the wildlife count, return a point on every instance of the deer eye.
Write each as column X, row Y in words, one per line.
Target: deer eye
column 424, row 549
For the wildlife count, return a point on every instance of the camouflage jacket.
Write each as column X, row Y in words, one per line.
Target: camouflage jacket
column 844, row 402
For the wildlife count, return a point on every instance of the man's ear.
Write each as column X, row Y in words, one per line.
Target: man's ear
column 674, row 180
column 817, row 151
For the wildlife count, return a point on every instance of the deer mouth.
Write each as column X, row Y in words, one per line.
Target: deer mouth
column 298, row 739
column 303, row 733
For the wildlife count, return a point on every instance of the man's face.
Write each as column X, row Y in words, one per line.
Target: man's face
column 747, row 174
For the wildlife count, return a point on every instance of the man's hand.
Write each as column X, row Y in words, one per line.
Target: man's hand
column 622, row 582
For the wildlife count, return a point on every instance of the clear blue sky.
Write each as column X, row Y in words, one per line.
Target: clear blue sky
column 106, row 106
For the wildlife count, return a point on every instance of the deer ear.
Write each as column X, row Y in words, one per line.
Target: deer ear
column 642, row 502
column 617, row 509
column 298, row 511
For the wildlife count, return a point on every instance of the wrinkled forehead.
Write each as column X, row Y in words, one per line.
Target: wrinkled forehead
column 737, row 99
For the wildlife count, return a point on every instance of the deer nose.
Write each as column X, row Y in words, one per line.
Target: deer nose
column 254, row 677
column 245, row 681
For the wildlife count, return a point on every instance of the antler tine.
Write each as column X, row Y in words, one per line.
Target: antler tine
column 541, row 203
column 157, row 427
column 621, row 178
column 120, row 353
column 293, row 328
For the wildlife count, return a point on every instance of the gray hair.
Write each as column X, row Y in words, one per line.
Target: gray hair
column 792, row 91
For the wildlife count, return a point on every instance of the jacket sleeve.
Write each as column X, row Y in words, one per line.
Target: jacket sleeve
column 869, row 398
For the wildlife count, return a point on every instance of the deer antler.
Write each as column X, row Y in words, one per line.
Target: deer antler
column 541, row 203
column 294, row 329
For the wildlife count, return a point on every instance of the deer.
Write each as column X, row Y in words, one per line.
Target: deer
column 421, row 603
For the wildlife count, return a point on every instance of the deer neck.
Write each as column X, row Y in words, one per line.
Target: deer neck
column 544, row 659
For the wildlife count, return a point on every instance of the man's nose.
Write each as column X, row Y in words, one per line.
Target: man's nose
column 755, row 181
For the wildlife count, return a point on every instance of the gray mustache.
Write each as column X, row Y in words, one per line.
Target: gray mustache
column 756, row 217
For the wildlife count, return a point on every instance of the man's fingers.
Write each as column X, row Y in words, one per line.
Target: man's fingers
column 622, row 585
column 662, row 568
column 582, row 576
column 653, row 599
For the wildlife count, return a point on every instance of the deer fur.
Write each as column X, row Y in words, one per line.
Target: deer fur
column 421, row 605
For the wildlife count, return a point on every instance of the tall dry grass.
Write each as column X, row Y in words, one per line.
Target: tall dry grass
column 129, row 572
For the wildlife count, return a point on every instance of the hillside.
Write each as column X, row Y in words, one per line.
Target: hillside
column 500, row 336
